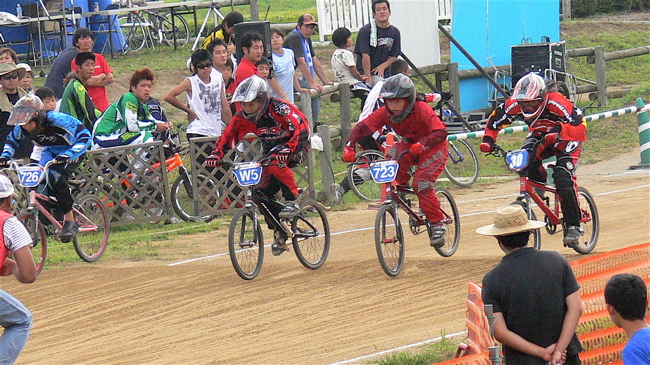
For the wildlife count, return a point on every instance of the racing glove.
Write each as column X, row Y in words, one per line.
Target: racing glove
column 213, row 161
column 487, row 145
column 4, row 162
column 416, row 149
column 61, row 159
column 282, row 155
column 349, row 154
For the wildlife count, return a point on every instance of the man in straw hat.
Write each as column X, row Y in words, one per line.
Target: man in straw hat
column 534, row 295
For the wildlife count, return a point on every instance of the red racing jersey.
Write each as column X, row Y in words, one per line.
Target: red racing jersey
column 559, row 112
column 281, row 124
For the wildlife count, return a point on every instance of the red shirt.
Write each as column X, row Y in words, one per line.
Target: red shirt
column 98, row 94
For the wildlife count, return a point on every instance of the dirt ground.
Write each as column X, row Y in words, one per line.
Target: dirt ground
column 201, row 312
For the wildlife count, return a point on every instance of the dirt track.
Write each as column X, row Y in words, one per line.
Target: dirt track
column 202, row 312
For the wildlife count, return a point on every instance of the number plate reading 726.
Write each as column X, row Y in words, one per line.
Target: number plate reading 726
column 248, row 173
column 384, row 171
column 30, row 175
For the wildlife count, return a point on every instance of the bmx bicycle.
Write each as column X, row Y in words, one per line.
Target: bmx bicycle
column 308, row 232
column 389, row 236
column 89, row 213
column 529, row 193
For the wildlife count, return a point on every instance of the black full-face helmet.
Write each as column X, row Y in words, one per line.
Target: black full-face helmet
column 399, row 86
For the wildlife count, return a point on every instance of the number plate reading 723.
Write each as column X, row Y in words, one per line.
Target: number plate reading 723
column 384, row 171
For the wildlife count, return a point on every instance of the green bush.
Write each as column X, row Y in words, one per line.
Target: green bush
column 586, row 8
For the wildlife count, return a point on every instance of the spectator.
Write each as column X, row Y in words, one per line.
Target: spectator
column 61, row 66
column 10, row 77
column 264, row 71
column 344, row 67
column 284, row 67
column 299, row 42
column 220, row 55
column 207, row 108
column 8, row 55
column 102, row 75
column 76, row 101
column 28, row 79
column 253, row 48
column 225, row 31
column 229, row 83
column 64, row 139
column 626, row 296
column 378, row 44
column 14, row 317
column 534, row 295
column 49, row 102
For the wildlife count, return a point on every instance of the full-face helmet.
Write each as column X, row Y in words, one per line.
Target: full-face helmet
column 28, row 108
column 253, row 88
column 530, row 93
column 399, row 86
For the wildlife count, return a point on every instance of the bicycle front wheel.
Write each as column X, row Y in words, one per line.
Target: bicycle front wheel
column 462, row 164
column 359, row 177
column 39, row 238
column 389, row 240
column 451, row 221
column 589, row 222
column 311, row 235
column 182, row 196
column 536, row 233
column 246, row 244
column 92, row 239
column 179, row 27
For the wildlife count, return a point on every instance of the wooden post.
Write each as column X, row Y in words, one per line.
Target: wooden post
column 305, row 107
column 255, row 10
column 601, row 80
column 325, row 157
column 454, row 84
column 344, row 105
column 566, row 9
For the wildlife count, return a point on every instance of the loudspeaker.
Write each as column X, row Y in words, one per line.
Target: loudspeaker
column 262, row 28
column 537, row 57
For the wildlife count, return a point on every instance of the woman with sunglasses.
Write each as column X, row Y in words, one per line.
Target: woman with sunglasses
column 10, row 76
column 207, row 108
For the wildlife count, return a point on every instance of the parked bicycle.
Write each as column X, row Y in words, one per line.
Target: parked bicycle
column 308, row 232
column 42, row 210
column 532, row 192
column 389, row 236
column 146, row 27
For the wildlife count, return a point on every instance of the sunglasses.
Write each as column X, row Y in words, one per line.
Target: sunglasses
column 11, row 76
column 204, row 66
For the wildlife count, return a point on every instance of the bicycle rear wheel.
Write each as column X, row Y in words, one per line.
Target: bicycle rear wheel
column 451, row 221
column 92, row 239
column 359, row 177
column 246, row 244
column 311, row 235
column 39, row 238
column 179, row 27
column 135, row 33
column 589, row 223
column 462, row 165
column 389, row 240
column 182, row 196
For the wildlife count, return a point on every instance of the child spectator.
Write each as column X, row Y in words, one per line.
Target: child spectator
column 28, row 79
column 48, row 97
column 229, row 82
column 345, row 69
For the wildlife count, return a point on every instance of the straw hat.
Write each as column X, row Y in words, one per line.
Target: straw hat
column 8, row 67
column 509, row 220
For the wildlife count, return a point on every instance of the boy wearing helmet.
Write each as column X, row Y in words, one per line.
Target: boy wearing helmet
column 64, row 139
column 423, row 135
column 556, row 129
column 284, row 133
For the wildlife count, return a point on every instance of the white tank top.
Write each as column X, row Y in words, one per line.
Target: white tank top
column 205, row 101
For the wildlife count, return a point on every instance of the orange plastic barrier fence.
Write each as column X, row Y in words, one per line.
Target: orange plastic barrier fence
column 482, row 358
column 612, row 355
column 478, row 327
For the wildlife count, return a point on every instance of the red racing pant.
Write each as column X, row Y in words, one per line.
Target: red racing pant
column 430, row 165
column 276, row 178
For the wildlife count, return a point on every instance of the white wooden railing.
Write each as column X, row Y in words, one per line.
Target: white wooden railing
column 354, row 14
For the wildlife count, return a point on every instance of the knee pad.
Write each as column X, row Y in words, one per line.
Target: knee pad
column 563, row 178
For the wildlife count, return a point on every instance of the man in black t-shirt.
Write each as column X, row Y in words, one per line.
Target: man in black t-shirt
column 534, row 295
column 378, row 44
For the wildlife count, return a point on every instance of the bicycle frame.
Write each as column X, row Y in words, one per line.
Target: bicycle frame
column 34, row 197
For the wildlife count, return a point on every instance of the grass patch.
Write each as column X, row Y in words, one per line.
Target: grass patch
column 435, row 352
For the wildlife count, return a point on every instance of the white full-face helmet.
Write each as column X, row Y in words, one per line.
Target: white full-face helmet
column 530, row 93
column 253, row 88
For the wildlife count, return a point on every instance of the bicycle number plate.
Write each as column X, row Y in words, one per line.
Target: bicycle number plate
column 30, row 175
column 517, row 160
column 384, row 171
column 248, row 173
